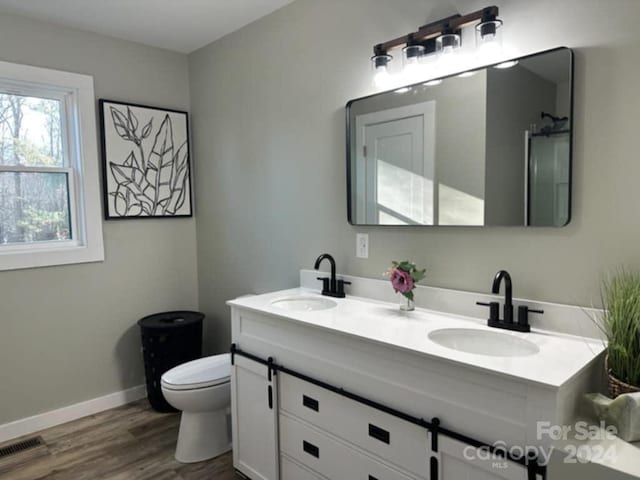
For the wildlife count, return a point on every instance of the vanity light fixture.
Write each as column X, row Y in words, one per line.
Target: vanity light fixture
column 412, row 56
column 441, row 39
column 489, row 37
column 379, row 63
column 448, row 43
column 447, row 47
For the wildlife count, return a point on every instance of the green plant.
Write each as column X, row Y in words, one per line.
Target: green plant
column 621, row 324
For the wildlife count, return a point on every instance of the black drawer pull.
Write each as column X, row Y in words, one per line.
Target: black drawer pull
column 311, row 403
column 311, row 449
column 379, row 434
column 434, row 469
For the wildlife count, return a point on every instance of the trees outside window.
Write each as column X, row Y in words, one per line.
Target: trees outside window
column 34, row 197
column 49, row 191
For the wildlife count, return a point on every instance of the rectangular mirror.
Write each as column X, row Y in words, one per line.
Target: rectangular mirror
column 489, row 147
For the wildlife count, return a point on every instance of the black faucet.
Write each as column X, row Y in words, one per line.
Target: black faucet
column 331, row 287
column 494, row 307
column 508, row 293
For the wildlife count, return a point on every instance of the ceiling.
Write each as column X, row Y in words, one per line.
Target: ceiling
column 179, row 25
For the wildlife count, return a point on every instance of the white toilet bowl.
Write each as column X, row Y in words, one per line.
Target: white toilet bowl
column 201, row 390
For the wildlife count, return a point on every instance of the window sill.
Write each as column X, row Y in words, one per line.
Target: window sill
column 52, row 256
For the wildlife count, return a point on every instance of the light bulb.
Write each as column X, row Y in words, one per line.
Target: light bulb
column 489, row 40
column 447, row 47
column 448, row 63
column 382, row 77
column 489, row 52
column 413, row 70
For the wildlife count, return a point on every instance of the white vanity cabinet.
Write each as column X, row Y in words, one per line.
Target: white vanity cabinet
column 254, row 420
column 349, row 407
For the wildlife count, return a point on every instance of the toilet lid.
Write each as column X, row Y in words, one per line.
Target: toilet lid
column 201, row 373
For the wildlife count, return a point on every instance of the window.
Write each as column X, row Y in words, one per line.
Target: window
column 49, row 190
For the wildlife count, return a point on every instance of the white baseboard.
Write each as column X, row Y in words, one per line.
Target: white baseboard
column 50, row 419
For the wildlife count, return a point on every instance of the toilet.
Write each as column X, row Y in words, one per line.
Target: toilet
column 201, row 390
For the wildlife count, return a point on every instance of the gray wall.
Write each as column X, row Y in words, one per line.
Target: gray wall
column 67, row 333
column 460, row 147
column 268, row 111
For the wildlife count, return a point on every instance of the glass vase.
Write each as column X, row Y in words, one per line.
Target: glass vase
column 406, row 305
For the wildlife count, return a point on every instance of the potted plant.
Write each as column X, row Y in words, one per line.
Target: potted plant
column 621, row 327
column 620, row 324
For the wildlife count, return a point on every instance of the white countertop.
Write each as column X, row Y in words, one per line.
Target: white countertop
column 560, row 358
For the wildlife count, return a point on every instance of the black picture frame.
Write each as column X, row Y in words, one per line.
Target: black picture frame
column 146, row 161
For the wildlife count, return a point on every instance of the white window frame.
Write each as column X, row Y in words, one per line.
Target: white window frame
column 79, row 141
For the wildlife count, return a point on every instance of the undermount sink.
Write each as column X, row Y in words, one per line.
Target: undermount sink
column 304, row 304
column 483, row 342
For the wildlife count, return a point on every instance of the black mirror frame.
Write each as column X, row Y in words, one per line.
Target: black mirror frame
column 571, row 146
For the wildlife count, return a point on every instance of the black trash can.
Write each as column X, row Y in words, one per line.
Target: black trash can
column 168, row 340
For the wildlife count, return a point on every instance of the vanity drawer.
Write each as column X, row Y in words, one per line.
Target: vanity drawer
column 290, row 470
column 385, row 436
column 329, row 457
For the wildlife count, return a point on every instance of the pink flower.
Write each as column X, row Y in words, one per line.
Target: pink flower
column 401, row 281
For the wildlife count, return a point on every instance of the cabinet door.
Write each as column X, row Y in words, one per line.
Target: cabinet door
column 254, row 410
column 459, row 461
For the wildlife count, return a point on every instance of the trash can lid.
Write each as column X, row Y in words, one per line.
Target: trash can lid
column 175, row 319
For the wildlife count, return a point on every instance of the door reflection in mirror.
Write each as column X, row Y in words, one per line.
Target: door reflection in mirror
column 395, row 164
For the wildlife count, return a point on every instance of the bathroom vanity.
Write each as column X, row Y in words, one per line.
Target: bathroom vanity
column 352, row 388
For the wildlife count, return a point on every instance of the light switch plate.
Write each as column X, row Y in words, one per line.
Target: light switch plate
column 362, row 245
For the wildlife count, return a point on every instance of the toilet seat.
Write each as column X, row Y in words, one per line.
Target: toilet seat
column 201, row 373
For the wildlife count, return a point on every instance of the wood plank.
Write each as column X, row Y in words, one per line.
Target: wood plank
column 132, row 442
column 23, row 458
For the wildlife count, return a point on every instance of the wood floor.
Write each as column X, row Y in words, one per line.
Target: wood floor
column 128, row 443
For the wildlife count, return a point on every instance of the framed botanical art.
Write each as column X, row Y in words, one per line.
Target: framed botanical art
column 146, row 166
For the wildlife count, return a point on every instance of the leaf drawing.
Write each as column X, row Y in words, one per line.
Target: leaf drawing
column 146, row 131
column 153, row 184
column 132, row 183
column 178, row 180
column 159, row 166
column 119, row 202
column 120, row 123
column 133, row 121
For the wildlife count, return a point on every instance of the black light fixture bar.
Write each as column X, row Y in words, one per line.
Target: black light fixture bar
column 427, row 33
